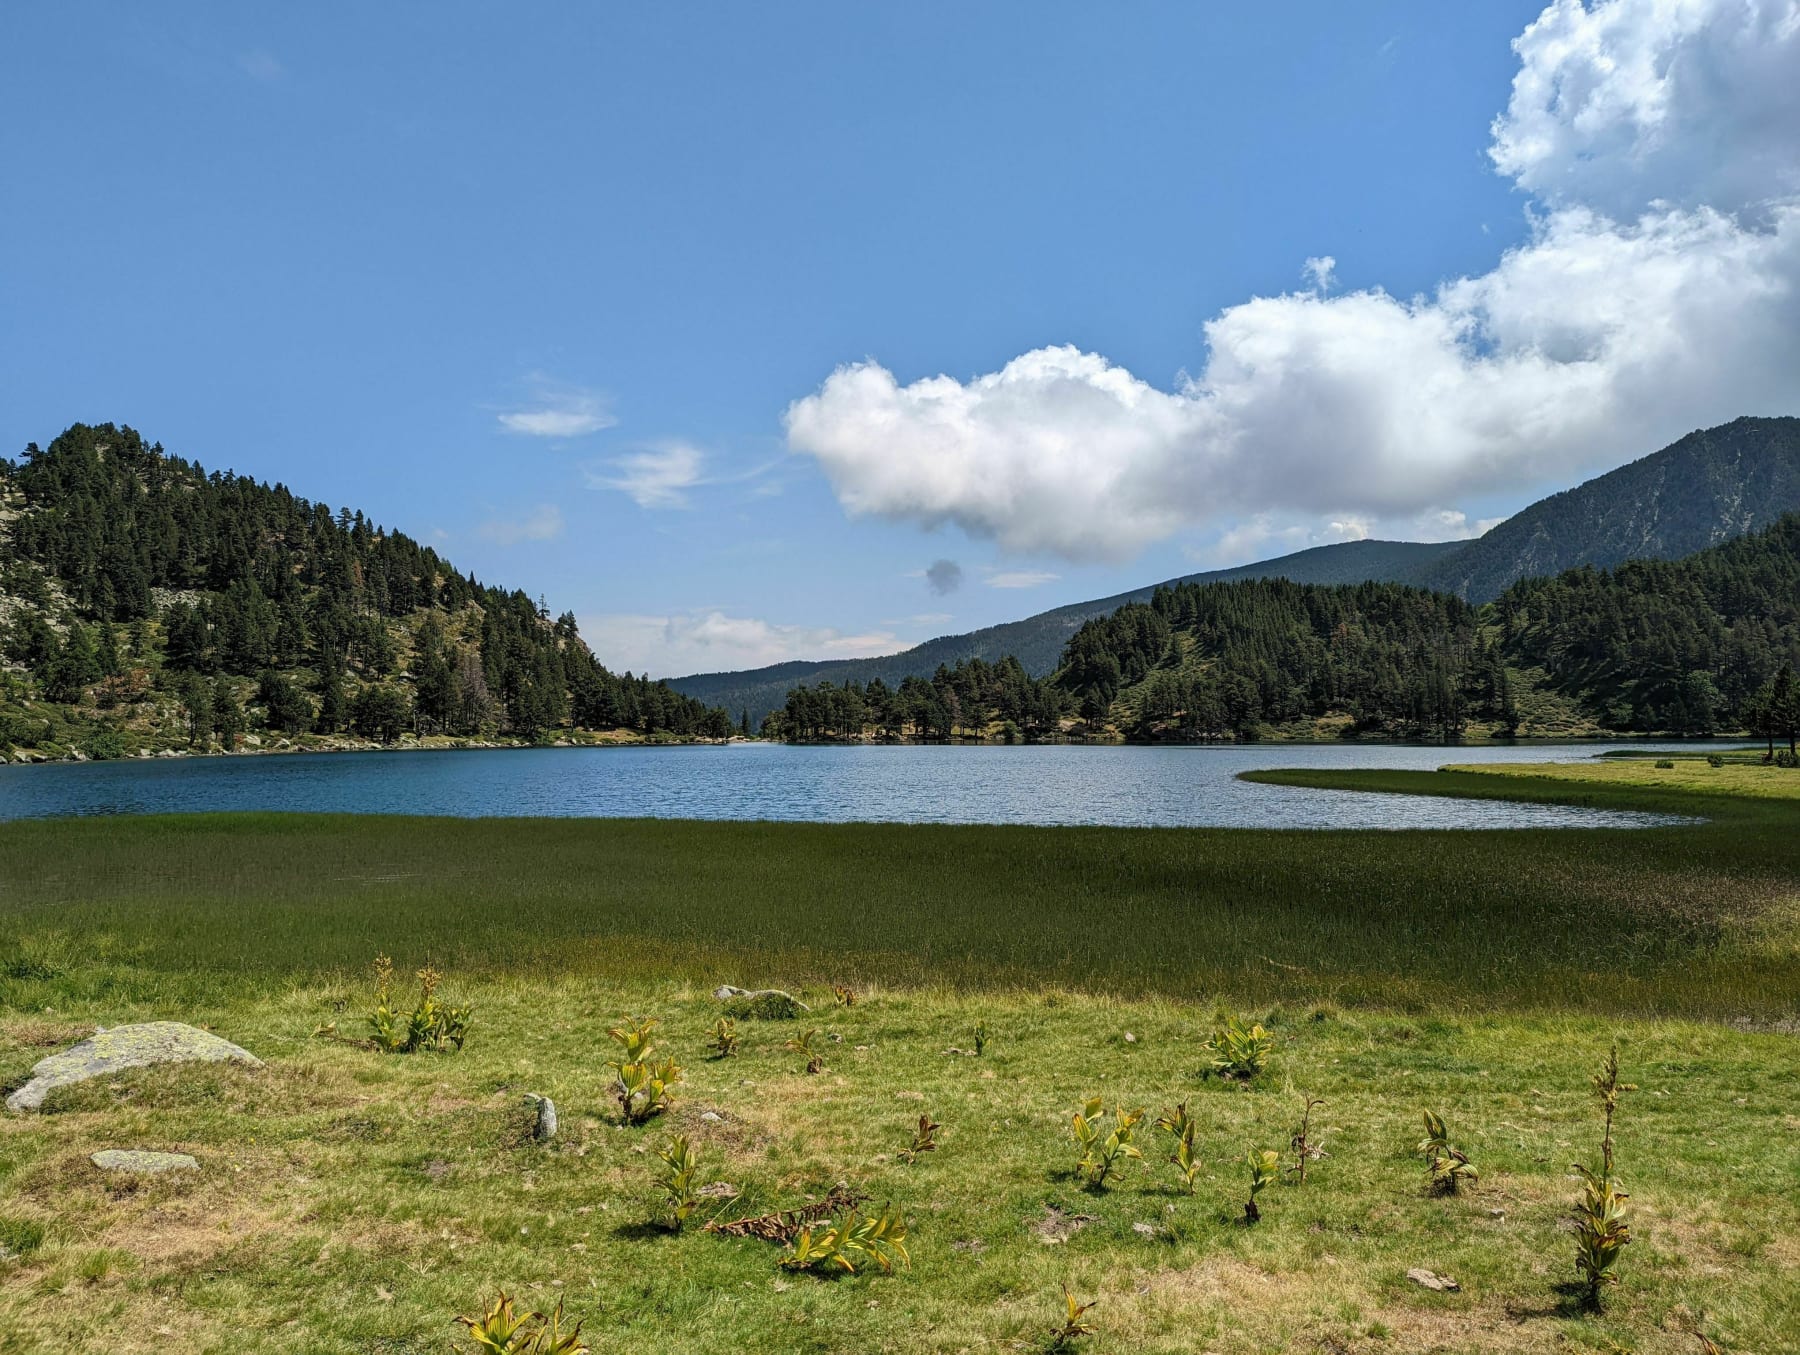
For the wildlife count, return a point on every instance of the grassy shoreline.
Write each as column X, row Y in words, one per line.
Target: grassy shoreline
column 348, row 1200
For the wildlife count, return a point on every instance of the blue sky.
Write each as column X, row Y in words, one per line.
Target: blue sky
column 541, row 285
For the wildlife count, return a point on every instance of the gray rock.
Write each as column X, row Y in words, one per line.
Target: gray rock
column 1426, row 1279
column 134, row 1160
column 764, row 1004
column 111, row 1051
column 544, row 1129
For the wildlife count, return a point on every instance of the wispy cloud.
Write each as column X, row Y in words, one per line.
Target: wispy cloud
column 712, row 641
column 1021, row 578
column 557, row 410
column 656, row 477
column 543, row 523
column 260, row 65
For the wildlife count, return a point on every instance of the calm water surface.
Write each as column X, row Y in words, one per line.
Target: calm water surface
column 1055, row 784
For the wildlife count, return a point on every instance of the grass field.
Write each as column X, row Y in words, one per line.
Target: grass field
column 353, row 1201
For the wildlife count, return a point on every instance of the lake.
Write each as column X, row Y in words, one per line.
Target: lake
column 1038, row 784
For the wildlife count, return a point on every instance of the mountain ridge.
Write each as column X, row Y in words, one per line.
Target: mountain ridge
column 1708, row 486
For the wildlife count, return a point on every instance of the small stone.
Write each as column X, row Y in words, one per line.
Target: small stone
column 135, row 1160
column 1144, row 1229
column 760, row 1004
column 910, row 1096
column 543, row 1128
column 1130, row 1038
column 1442, row 1284
column 711, row 1117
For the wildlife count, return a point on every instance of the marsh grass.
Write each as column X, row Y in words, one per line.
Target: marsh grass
column 1694, row 920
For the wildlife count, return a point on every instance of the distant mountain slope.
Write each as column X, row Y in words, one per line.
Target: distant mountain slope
column 1711, row 486
column 1707, row 488
column 1037, row 641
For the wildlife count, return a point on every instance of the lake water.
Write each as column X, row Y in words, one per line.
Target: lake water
column 1050, row 784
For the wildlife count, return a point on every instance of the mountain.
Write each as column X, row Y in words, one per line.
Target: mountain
column 147, row 604
column 1710, row 486
column 1037, row 641
column 1694, row 646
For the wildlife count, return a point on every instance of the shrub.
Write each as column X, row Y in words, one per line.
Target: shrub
column 924, row 1139
column 1265, row 1170
column 1786, row 758
column 725, row 1038
column 852, row 1243
column 504, row 1331
column 1305, row 1147
column 643, row 1083
column 1664, row 765
column 1104, row 1148
column 1237, row 1051
column 1601, row 1230
column 1186, row 1160
column 431, row 1025
column 1449, row 1167
column 1714, row 760
column 802, row 1044
column 677, row 1178
column 1073, row 1326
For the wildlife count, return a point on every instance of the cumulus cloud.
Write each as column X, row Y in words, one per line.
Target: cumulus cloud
column 656, row 477
column 558, row 411
column 543, row 523
column 943, row 577
column 1659, row 290
column 711, row 641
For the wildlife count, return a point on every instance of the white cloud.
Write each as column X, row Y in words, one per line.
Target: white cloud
column 1320, row 272
column 1665, row 299
column 543, row 523
column 558, row 411
column 1021, row 578
column 656, row 477
column 711, row 641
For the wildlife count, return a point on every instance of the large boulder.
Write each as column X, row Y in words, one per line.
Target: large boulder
column 760, row 1004
column 112, row 1051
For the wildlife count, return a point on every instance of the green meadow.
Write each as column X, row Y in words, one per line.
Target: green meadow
column 358, row 1201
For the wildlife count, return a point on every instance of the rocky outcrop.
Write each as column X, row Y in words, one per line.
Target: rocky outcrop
column 122, row 1047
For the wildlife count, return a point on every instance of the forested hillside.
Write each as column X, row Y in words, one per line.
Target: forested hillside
column 1037, row 642
column 145, row 604
column 1693, row 647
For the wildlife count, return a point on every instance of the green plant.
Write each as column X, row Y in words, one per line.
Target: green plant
column 1664, row 765
column 852, row 1243
column 1104, row 1147
column 802, row 1044
column 1305, row 1147
column 504, row 1331
column 1185, row 1129
column 677, row 1177
column 1601, row 1230
column 980, row 1038
column 1449, row 1167
column 1236, row 1050
column 431, row 1025
column 924, row 1138
column 1714, row 760
column 1265, row 1170
column 1074, row 1324
column 724, row 1038
column 643, row 1083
